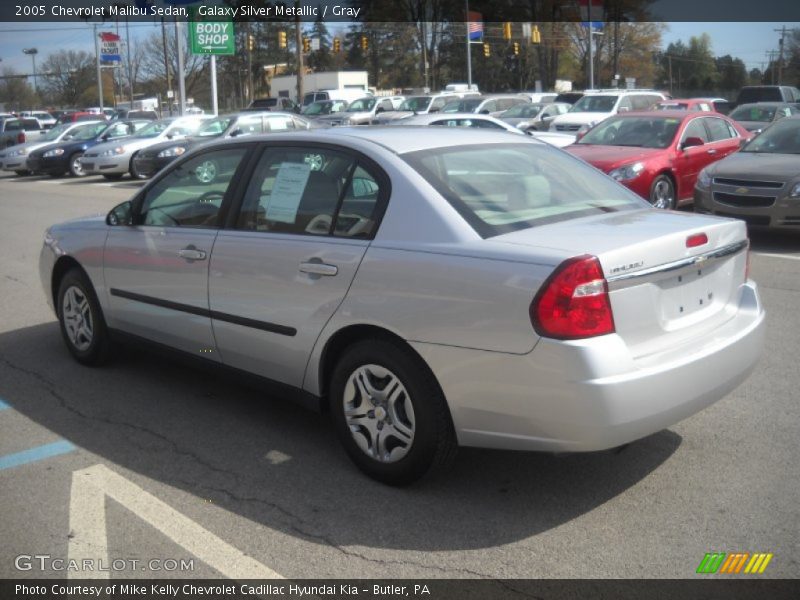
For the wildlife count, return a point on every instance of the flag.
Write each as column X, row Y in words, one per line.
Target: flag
column 109, row 47
column 475, row 25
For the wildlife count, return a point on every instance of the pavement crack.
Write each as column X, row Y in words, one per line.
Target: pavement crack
column 19, row 281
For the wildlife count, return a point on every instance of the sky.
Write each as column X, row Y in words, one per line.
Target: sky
column 748, row 41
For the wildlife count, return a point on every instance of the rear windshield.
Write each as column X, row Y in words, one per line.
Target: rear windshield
column 416, row 103
column 264, row 103
column 763, row 114
column 594, row 104
column 517, row 186
column 768, row 94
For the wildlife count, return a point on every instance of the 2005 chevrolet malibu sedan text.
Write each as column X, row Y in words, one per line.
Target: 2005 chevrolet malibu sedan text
column 430, row 287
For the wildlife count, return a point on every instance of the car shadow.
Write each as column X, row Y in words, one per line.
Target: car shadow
column 764, row 239
column 280, row 465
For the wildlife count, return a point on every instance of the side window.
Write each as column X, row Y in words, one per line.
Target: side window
column 250, row 125
column 732, row 130
column 310, row 191
column 279, row 123
column 139, row 125
column 490, row 106
column 438, row 104
column 718, row 129
column 119, row 130
column 625, row 103
column 191, row 195
column 695, row 129
column 386, row 105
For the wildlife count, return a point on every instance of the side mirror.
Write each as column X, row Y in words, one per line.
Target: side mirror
column 170, row 136
column 105, row 136
column 236, row 132
column 434, row 109
column 119, row 215
column 379, row 110
column 485, row 112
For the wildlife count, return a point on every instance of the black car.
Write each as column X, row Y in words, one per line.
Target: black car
column 57, row 159
column 151, row 160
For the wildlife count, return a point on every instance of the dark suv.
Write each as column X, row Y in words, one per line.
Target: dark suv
column 767, row 93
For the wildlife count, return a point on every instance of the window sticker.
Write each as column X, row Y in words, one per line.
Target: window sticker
column 287, row 191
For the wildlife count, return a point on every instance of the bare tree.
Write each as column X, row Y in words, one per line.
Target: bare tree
column 151, row 65
column 66, row 75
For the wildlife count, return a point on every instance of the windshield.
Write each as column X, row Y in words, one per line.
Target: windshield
column 362, row 105
column 318, row 108
column 467, row 105
column 518, row 186
column 763, row 114
column 214, row 127
column 594, row 104
column 782, row 137
column 416, row 103
column 523, row 111
column 90, row 132
column 670, row 106
column 155, row 129
column 55, row 132
column 642, row 132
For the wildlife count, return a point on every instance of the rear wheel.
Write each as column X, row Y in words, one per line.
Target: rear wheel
column 81, row 319
column 75, row 166
column 662, row 192
column 390, row 414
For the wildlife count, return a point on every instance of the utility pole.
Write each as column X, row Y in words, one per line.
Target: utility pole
column 250, row 93
column 99, row 70
column 669, row 60
column 469, row 48
column 782, row 31
column 299, row 43
column 181, row 79
column 166, row 66
column 771, row 64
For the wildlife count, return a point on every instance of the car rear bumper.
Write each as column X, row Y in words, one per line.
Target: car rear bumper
column 588, row 395
column 783, row 213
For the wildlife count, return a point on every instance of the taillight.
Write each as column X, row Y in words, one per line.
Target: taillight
column 573, row 303
column 21, row 137
column 698, row 239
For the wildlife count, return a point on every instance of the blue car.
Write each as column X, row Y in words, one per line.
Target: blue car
column 57, row 159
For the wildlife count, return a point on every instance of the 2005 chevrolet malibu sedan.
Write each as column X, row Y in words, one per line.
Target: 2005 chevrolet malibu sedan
column 430, row 287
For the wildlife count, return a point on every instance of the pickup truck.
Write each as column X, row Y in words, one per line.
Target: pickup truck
column 17, row 131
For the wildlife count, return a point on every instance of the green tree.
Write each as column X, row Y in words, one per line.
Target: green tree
column 15, row 91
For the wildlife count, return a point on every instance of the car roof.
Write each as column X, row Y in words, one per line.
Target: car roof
column 398, row 140
column 769, row 103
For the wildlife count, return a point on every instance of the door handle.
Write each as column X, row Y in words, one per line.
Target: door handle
column 711, row 151
column 192, row 253
column 318, row 268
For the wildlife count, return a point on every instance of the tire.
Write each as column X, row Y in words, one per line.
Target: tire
column 112, row 176
column 22, row 173
column 75, row 168
column 662, row 192
column 81, row 320
column 133, row 171
column 417, row 433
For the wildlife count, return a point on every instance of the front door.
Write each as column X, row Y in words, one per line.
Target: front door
column 156, row 270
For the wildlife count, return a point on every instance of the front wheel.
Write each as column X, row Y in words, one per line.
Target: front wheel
column 134, row 171
column 81, row 319
column 75, row 166
column 390, row 414
column 662, row 193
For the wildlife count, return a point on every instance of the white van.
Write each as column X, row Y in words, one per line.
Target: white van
column 598, row 105
column 345, row 94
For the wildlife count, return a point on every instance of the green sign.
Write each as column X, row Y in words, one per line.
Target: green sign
column 212, row 37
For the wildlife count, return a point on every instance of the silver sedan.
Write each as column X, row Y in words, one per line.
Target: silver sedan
column 429, row 287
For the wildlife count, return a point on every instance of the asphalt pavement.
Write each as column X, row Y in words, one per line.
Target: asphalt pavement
column 176, row 472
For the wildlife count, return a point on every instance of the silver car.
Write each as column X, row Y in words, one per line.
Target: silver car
column 15, row 158
column 430, row 287
column 114, row 159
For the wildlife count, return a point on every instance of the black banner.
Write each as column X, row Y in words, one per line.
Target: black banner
column 433, row 589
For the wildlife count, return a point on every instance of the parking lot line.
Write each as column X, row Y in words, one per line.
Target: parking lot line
column 35, row 454
column 4, row 405
column 773, row 255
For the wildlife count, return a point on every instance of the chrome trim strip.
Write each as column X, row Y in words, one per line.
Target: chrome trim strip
column 628, row 279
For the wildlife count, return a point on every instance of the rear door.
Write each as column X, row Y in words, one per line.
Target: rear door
column 284, row 265
column 723, row 139
column 690, row 161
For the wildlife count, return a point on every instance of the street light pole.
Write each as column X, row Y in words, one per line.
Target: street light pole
column 32, row 52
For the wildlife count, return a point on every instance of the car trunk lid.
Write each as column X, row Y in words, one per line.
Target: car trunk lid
column 671, row 276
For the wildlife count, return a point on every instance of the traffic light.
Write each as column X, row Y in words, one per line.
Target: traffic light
column 251, row 42
column 506, row 30
column 282, row 40
column 536, row 35
column 337, row 45
column 364, row 43
column 487, row 50
column 516, row 48
column 306, row 45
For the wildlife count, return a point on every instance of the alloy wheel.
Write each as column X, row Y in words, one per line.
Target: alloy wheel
column 77, row 315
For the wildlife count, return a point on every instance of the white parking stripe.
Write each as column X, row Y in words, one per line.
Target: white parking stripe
column 89, row 539
column 773, row 255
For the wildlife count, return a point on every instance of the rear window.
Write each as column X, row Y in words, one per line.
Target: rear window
column 264, row 103
column 518, row 186
column 767, row 94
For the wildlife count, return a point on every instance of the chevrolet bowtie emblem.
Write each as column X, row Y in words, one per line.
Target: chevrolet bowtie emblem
column 742, row 190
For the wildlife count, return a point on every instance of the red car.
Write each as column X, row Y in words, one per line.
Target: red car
column 658, row 154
